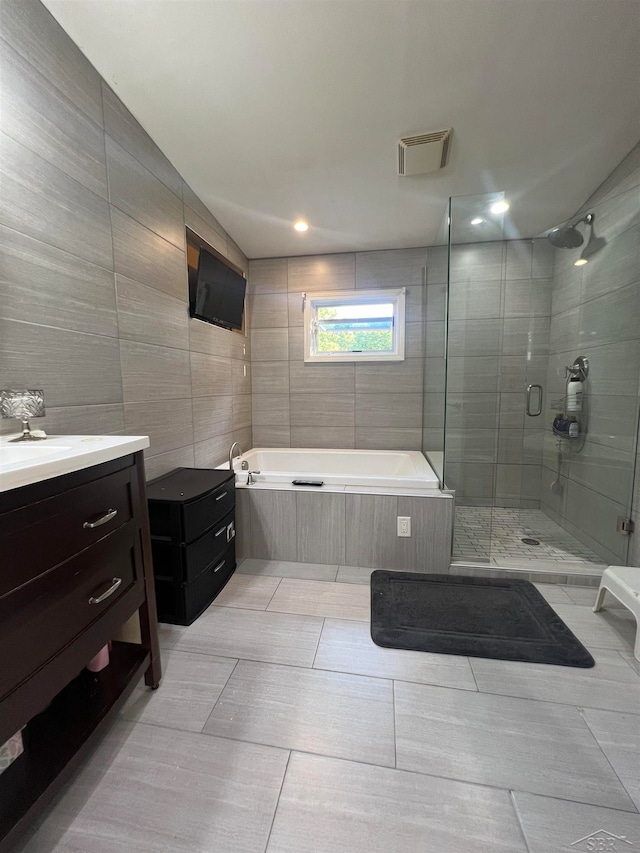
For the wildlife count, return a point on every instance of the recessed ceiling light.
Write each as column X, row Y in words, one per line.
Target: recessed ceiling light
column 500, row 207
column 477, row 221
column 301, row 225
column 580, row 262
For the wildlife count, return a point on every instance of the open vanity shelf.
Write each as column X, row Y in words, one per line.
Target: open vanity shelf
column 57, row 740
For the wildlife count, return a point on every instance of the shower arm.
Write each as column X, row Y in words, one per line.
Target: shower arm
column 587, row 219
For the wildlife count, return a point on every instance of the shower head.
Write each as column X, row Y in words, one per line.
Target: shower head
column 567, row 236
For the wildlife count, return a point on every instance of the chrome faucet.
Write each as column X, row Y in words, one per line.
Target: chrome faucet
column 231, row 453
column 250, row 479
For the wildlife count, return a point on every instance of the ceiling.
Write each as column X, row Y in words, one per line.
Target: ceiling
column 278, row 109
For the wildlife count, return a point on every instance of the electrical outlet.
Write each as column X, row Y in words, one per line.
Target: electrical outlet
column 404, row 526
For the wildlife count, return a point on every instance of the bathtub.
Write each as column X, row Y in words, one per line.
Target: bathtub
column 379, row 469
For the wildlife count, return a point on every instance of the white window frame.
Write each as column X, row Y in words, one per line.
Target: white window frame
column 313, row 301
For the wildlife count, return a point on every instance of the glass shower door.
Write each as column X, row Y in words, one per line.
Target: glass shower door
column 474, row 347
column 523, row 315
column 523, row 395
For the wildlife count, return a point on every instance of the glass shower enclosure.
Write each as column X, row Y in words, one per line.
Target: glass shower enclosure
column 541, row 383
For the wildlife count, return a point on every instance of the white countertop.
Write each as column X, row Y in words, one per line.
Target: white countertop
column 25, row 462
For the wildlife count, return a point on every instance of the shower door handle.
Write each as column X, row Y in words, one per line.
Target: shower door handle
column 528, row 408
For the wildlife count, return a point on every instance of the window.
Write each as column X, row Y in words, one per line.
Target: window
column 360, row 325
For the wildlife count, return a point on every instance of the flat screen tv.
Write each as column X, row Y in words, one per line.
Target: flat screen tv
column 217, row 294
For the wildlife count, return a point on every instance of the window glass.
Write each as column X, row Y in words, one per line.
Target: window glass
column 365, row 325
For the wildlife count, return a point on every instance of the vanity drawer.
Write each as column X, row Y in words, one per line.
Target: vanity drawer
column 38, row 620
column 37, row 537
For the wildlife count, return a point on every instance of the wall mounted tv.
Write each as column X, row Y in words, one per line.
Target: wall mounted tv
column 216, row 292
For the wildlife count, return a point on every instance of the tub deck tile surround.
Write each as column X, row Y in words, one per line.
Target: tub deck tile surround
column 351, row 528
column 320, row 536
column 344, row 524
column 330, row 742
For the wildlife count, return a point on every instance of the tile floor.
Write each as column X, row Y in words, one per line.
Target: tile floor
column 280, row 727
column 494, row 535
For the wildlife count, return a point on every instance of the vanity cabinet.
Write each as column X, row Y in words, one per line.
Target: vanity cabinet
column 75, row 557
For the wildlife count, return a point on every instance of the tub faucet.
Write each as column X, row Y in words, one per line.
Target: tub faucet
column 250, row 479
column 231, row 453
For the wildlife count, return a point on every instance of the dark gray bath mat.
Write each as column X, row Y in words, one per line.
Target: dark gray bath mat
column 480, row 617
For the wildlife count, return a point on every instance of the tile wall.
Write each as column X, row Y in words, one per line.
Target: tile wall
column 377, row 406
column 499, row 320
column 93, row 276
column 596, row 312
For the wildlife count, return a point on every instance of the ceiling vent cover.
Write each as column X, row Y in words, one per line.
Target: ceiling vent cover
column 423, row 153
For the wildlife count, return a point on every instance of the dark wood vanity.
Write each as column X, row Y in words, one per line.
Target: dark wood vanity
column 75, row 566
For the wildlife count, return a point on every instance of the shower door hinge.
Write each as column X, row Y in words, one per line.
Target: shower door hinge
column 624, row 525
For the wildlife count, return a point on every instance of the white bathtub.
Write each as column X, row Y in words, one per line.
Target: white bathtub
column 380, row 469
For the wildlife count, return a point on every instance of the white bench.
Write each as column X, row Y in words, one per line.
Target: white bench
column 623, row 582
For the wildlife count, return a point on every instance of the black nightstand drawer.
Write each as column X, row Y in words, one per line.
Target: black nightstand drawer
column 201, row 515
column 181, row 604
column 189, row 501
column 183, row 563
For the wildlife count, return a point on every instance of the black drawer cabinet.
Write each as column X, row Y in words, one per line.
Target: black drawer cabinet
column 192, row 518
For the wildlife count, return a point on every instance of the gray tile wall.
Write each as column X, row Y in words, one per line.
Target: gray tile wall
column 93, row 279
column 596, row 312
column 499, row 321
column 345, row 405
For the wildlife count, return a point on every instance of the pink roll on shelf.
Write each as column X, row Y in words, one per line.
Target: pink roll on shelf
column 100, row 661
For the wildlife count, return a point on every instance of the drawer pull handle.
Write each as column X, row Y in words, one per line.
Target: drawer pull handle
column 220, row 532
column 115, row 583
column 109, row 514
column 218, row 567
column 223, row 495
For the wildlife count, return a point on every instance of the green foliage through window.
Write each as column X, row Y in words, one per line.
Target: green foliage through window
column 363, row 341
column 371, row 329
column 358, row 325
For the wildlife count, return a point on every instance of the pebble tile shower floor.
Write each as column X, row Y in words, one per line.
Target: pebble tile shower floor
column 494, row 535
column 280, row 727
